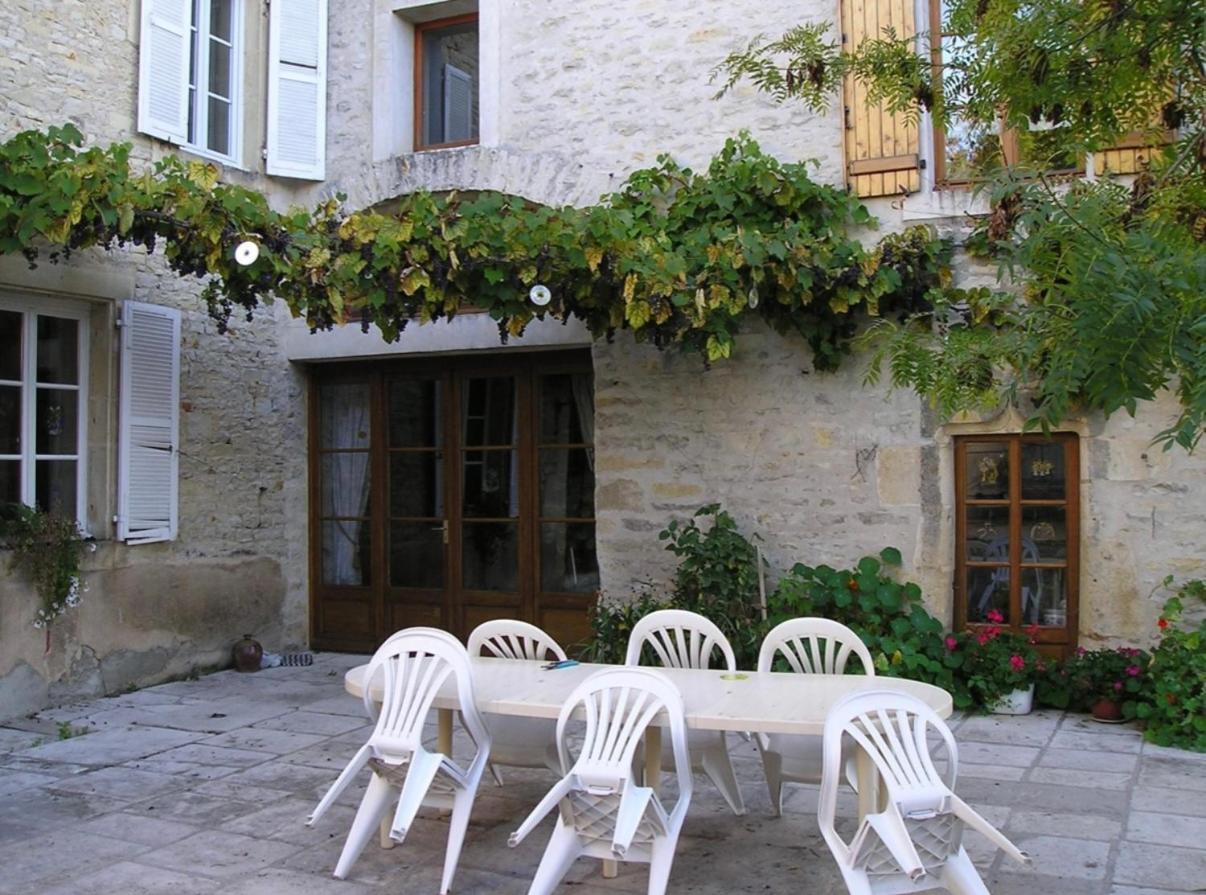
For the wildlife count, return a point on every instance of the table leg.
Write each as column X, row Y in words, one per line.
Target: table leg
column 868, row 784
column 383, row 832
column 653, row 758
column 444, row 731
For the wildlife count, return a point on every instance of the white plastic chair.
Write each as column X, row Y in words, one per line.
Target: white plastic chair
column 518, row 742
column 412, row 666
column 602, row 812
column 914, row 844
column 681, row 639
column 809, row 646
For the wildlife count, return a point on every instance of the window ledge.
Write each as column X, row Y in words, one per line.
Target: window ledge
column 950, row 202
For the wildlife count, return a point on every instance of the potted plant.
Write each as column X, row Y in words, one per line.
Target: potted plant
column 1109, row 682
column 1001, row 667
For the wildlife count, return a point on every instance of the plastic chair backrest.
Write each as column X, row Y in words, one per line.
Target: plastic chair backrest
column 413, row 665
column 510, row 638
column 814, row 646
column 617, row 705
column 679, row 639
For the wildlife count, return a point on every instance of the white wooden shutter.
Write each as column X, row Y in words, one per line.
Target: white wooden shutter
column 148, row 423
column 163, row 56
column 297, row 88
column 458, row 104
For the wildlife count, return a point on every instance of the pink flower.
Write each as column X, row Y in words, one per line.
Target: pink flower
column 1017, row 662
column 1117, row 685
column 1133, row 670
column 951, row 643
column 982, row 639
column 1080, row 651
column 994, row 616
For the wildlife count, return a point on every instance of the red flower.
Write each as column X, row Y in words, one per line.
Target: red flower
column 951, row 643
column 851, row 585
column 994, row 616
column 1032, row 632
column 1017, row 662
column 1080, row 651
column 1133, row 670
column 982, row 639
column 1162, row 624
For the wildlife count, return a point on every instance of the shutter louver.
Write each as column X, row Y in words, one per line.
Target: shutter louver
column 148, row 424
column 1132, row 154
column 297, row 88
column 163, row 63
column 881, row 148
column 458, row 105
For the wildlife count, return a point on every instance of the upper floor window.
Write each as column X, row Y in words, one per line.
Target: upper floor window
column 446, row 82
column 213, row 76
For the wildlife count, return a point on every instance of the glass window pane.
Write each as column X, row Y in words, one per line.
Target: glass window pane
column 490, row 556
column 54, row 486
column 568, row 563
column 57, row 421
column 987, row 471
column 566, row 402
column 220, row 19
column 10, row 482
column 218, row 135
column 416, row 412
column 344, row 412
column 988, row 534
column 488, row 412
column 450, row 84
column 346, row 554
column 10, row 345
column 490, row 487
column 346, row 484
column 416, row 483
column 10, row 419
column 416, row 555
column 567, row 483
column 58, row 350
column 1043, row 475
column 1044, row 534
column 1044, row 597
column 987, row 589
column 219, row 69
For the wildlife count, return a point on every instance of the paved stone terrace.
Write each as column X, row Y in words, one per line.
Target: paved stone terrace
column 200, row 787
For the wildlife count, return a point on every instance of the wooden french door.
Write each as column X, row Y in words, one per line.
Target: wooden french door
column 449, row 492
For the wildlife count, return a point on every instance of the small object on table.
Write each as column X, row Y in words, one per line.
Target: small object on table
column 564, row 663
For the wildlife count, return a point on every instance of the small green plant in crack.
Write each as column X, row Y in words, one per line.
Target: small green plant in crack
column 67, row 732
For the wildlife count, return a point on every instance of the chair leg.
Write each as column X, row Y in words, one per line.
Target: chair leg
column 462, row 807
column 718, row 765
column 372, row 808
column 772, row 766
column 960, row 876
column 559, row 855
column 661, row 860
column 496, row 774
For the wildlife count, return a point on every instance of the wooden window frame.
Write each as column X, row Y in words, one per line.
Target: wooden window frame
column 422, row 29
column 1050, row 640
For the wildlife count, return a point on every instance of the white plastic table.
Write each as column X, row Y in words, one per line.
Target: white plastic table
column 759, row 702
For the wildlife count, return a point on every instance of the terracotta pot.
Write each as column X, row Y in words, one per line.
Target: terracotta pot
column 247, row 654
column 1107, row 710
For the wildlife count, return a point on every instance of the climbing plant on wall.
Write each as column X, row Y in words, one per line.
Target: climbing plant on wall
column 679, row 258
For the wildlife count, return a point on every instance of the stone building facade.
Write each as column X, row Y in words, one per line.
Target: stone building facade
column 572, row 97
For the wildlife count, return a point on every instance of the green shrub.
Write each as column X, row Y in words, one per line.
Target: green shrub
column 612, row 622
column 1176, row 712
column 996, row 661
column 1119, row 675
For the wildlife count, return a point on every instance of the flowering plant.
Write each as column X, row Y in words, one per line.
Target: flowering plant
column 1115, row 675
column 50, row 549
column 997, row 661
column 1175, row 714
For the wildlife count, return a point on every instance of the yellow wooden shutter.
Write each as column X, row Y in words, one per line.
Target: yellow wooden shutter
column 1132, row 154
column 881, row 148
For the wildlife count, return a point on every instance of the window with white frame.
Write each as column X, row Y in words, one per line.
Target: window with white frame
column 43, row 405
column 213, row 82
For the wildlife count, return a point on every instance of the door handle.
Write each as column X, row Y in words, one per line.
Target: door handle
column 442, row 527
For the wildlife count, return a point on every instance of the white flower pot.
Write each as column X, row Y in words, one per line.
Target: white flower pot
column 1017, row 702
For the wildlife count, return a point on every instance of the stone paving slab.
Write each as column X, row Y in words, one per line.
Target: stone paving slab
column 203, row 787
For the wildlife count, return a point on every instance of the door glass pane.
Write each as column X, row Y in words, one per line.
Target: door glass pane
column 416, row 554
column 346, row 480
column 415, row 412
column 10, row 345
column 567, row 483
column 490, row 556
column 1044, row 597
column 1043, row 475
column 988, row 534
column 987, row 471
column 567, row 409
column 346, row 557
column 10, row 419
column 344, row 411
column 10, row 482
column 450, row 84
column 491, row 484
column 416, row 483
column 57, row 421
column 488, row 412
column 1044, row 534
column 58, row 350
column 987, row 589
column 54, row 486
column 568, row 563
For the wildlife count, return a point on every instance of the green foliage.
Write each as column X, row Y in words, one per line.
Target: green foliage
column 48, row 548
column 890, row 617
column 677, row 257
column 1118, row 675
column 997, row 661
column 611, row 623
column 66, row 731
column 1176, row 712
